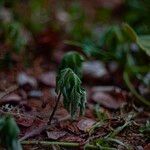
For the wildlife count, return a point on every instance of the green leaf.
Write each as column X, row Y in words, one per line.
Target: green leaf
column 72, row 60
column 143, row 41
column 14, row 36
column 69, row 84
column 9, row 132
column 131, row 33
column 133, row 90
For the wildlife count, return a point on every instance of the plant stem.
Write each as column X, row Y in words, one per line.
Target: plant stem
column 55, row 108
column 48, row 143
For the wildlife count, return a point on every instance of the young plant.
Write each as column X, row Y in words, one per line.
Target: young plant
column 8, row 133
column 68, row 84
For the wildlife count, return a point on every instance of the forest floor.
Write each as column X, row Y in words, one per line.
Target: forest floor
column 112, row 119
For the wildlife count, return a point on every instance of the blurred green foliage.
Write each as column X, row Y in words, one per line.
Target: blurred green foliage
column 137, row 15
column 9, row 132
column 78, row 29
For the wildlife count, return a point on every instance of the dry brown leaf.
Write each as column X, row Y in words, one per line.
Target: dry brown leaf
column 55, row 135
column 85, row 124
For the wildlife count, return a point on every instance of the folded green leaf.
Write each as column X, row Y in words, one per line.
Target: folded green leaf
column 69, row 84
column 142, row 40
column 144, row 43
column 131, row 33
column 133, row 90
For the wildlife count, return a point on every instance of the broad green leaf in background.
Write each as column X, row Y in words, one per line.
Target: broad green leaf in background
column 131, row 33
column 133, row 90
column 142, row 40
column 144, row 43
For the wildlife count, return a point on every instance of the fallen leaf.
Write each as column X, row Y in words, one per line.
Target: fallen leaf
column 12, row 98
column 147, row 147
column 24, row 79
column 25, row 121
column 139, row 147
column 108, row 101
column 48, row 78
column 35, row 94
column 55, row 135
column 35, row 104
column 85, row 124
column 95, row 69
column 71, row 127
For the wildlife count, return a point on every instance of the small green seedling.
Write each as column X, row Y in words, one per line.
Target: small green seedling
column 68, row 84
column 8, row 133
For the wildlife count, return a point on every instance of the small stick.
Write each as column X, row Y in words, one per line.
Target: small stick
column 55, row 108
column 9, row 90
column 48, row 143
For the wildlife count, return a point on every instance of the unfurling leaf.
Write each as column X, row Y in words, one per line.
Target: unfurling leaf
column 72, row 60
column 69, row 84
column 9, row 133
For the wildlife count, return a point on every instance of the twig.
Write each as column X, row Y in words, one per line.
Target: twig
column 55, row 108
column 117, row 142
column 128, row 121
column 117, row 130
column 96, row 125
column 105, row 148
column 9, row 90
column 48, row 143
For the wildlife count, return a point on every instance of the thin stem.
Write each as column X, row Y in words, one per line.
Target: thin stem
column 55, row 108
column 48, row 143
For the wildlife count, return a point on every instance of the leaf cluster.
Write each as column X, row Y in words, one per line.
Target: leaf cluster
column 8, row 133
column 69, row 84
column 13, row 36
